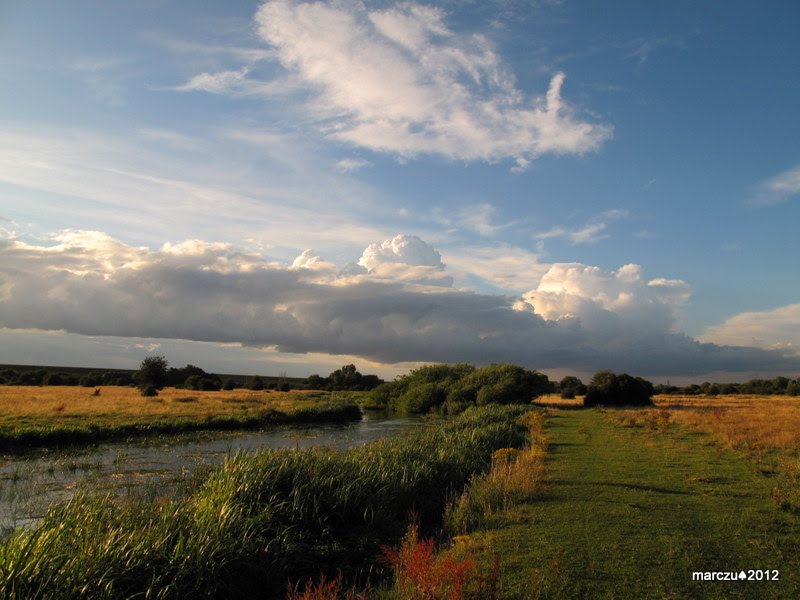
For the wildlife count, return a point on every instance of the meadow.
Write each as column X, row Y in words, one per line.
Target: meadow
column 508, row 502
column 763, row 429
column 33, row 416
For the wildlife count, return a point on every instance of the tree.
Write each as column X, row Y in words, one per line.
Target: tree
column 345, row 378
column 571, row 386
column 610, row 389
column 317, row 382
column 152, row 372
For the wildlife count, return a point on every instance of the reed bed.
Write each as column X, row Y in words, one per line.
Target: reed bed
column 258, row 521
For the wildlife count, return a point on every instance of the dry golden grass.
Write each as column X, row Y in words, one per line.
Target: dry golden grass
column 754, row 424
column 34, row 405
column 556, row 401
column 514, row 478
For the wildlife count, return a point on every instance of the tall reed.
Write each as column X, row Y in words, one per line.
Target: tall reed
column 257, row 521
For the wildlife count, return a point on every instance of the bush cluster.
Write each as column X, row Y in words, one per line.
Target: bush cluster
column 345, row 378
column 611, row 389
column 761, row 387
column 449, row 389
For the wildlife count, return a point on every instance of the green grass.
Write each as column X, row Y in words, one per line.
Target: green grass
column 258, row 521
column 631, row 513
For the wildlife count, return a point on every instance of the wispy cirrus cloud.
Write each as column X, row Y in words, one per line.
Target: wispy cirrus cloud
column 592, row 232
column 476, row 218
column 779, row 188
column 642, row 49
column 139, row 186
column 236, row 82
column 350, row 165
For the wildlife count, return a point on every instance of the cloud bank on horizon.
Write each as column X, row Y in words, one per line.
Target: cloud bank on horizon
column 578, row 317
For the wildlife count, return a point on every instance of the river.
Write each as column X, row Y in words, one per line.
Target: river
column 30, row 483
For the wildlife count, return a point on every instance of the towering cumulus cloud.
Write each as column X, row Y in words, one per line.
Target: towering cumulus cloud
column 401, row 81
column 579, row 317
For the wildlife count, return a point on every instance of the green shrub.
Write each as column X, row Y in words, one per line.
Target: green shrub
column 420, row 399
column 52, row 379
column 448, row 389
column 516, row 384
column 256, row 384
column 148, row 391
column 380, row 396
column 505, row 392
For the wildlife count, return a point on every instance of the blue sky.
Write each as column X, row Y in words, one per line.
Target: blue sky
column 567, row 185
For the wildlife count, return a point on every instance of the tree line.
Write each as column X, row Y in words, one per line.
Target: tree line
column 349, row 378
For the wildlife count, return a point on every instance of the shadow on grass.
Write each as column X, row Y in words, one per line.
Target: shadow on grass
column 628, row 486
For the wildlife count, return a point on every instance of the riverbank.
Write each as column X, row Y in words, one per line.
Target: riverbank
column 259, row 520
column 33, row 416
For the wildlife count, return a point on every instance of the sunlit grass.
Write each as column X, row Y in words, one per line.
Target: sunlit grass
column 32, row 415
column 514, row 478
column 765, row 429
column 556, row 401
column 45, row 403
column 750, row 423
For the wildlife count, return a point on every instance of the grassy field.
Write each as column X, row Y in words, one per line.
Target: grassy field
column 32, row 415
column 632, row 511
column 613, row 503
column 763, row 429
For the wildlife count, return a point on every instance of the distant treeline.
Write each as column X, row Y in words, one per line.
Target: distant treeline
column 348, row 378
column 778, row 386
column 188, row 377
column 45, row 376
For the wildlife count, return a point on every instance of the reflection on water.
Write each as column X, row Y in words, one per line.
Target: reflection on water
column 30, row 483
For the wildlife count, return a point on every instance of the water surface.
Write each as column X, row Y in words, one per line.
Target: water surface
column 30, row 483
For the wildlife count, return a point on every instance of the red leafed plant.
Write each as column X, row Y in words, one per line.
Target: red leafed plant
column 324, row 589
column 421, row 574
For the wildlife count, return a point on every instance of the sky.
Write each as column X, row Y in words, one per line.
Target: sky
column 286, row 187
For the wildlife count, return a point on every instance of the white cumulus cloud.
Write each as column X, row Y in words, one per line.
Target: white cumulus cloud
column 621, row 303
column 405, row 249
column 400, row 81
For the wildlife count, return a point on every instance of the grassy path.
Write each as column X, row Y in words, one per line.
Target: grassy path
column 631, row 513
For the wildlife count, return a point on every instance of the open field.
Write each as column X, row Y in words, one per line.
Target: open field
column 763, row 429
column 33, row 415
column 753, row 424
